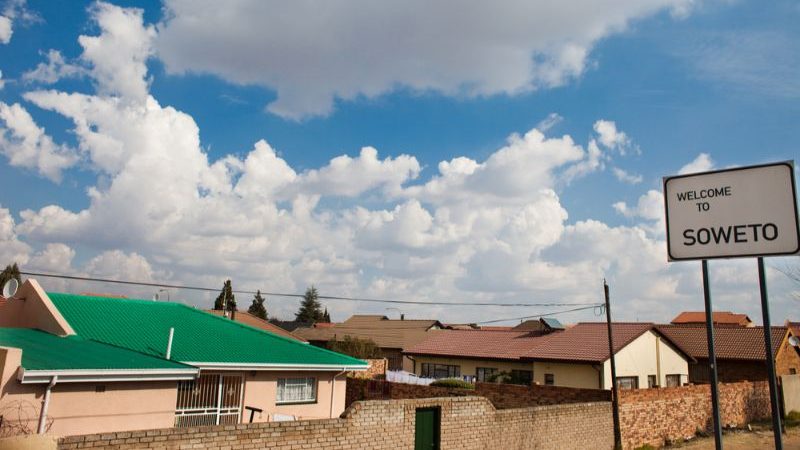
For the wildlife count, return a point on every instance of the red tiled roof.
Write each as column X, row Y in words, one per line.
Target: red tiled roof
column 729, row 342
column 257, row 322
column 586, row 342
column 719, row 317
column 476, row 344
column 491, row 328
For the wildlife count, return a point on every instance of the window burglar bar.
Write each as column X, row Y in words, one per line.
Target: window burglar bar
column 212, row 399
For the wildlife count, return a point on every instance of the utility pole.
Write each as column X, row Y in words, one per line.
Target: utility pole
column 614, row 389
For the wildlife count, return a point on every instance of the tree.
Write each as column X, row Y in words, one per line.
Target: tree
column 11, row 272
column 257, row 308
column 310, row 308
column 355, row 347
column 326, row 318
column 226, row 299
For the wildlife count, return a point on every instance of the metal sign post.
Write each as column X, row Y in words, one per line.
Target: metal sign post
column 734, row 213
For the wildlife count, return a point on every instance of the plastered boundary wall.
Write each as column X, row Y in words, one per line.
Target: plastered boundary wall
column 466, row 423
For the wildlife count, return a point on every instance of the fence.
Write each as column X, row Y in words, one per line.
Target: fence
column 212, row 399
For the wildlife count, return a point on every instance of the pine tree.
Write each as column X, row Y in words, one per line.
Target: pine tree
column 326, row 318
column 310, row 308
column 226, row 298
column 257, row 308
column 9, row 273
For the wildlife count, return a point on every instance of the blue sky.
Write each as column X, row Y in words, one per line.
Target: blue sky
column 678, row 78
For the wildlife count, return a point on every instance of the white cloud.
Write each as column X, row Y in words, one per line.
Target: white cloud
column 626, row 177
column 702, row 163
column 27, row 145
column 492, row 229
column 14, row 10
column 613, row 139
column 347, row 50
column 2, row 81
column 549, row 122
column 6, row 30
column 53, row 70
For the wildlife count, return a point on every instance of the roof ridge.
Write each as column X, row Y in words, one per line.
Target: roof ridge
column 120, row 299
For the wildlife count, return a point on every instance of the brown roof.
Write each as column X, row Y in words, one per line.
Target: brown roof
column 495, row 328
column 586, row 342
column 257, row 322
column 505, row 344
column 386, row 333
column 719, row 317
column 729, row 342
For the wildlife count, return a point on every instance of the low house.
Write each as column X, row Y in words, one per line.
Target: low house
column 574, row 357
column 229, row 372
column 391, row 336
column 720, row 318
column 740, row 351
column 255, row 322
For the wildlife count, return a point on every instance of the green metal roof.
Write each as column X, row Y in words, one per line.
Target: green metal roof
column 45, row 351
column 143, row 325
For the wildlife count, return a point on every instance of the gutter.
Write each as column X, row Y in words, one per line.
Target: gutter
column 104, row 375
column 46, row 404
column 333, row 389
column 276, row 367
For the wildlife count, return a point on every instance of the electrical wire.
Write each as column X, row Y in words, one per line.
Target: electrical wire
column 540, row 315
column 322, row 297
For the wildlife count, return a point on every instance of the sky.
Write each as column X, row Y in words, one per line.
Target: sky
column 493, row 152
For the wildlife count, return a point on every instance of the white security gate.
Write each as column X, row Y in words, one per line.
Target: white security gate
column 212, row 399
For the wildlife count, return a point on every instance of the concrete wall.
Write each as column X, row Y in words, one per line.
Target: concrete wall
column 638, row 359
column 466, row 423
column 790, row 386
column 586, row 376
column 261, row 391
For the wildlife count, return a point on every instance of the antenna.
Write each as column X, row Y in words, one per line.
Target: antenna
column 10, row 288
column 794, row 341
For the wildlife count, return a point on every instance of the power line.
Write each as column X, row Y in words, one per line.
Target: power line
column 597, row 305
column 323, row 297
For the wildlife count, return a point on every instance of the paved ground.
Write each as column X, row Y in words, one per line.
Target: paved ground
column 747, row 441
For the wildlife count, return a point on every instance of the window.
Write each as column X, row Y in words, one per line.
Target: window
column 549, row 379
column 484, row 374
column 792, row 371
column 673, row 380
column 628, row 382
column 297, row 390
column 651, row 381
column 522, row 377
column 430, row 370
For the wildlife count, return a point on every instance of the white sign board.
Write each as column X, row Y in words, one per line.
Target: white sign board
column 747, row 211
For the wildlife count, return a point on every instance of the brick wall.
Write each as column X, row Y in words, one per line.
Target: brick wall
column 466, row 423
column 377, row 369
column 656, row 416
column 502, row 396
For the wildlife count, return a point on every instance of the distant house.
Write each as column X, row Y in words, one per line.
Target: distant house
column 576, row 357
column 740, row 351
column 390, row 335
column 724, row 318
column 113, row 364
column 255, row 322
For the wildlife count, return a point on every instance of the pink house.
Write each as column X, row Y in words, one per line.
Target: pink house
column 72, row 364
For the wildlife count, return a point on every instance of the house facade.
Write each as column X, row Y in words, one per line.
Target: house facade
column 573, row 357
column 187, row 367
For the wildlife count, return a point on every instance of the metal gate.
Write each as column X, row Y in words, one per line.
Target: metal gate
column 212, row 399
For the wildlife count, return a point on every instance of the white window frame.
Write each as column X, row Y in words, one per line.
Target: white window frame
column 296, row 381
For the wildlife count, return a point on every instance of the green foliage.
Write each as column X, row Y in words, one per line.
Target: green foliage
column 355, row 347
column 257, row 308
column 453, row 383
column 326, row 318
column 310, row 308
column 9, row 273
column 645, row 447
column 226, row 298
column 792, row 419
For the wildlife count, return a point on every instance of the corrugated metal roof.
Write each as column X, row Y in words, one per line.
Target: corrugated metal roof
column 143, row 325
column 44, row 351
column 738, row 343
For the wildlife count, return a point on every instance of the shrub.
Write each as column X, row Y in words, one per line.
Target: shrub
column 453, row 383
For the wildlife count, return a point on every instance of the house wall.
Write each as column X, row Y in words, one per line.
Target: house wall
column 261, row 391
column 32, row 308
column 585, row 376
column 787, row 359
column 638, row 359
column 470, row 366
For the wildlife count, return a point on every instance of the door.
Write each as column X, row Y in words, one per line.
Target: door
column 211, row 399
column 426, row 429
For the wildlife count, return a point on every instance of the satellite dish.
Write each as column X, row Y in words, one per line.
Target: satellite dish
column 10, row 288
column 794, row 341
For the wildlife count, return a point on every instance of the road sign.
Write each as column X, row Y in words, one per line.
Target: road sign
column 732, row 213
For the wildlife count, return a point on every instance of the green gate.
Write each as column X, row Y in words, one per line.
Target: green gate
column 426, row 429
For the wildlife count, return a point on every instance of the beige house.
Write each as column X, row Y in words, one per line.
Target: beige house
column 76, row 364
column 574, row 357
